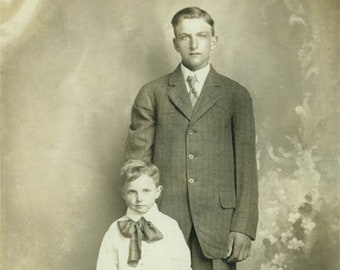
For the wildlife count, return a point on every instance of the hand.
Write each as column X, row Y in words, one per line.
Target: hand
column 238, row 247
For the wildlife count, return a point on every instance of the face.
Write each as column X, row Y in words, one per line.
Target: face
column 140, row 195
column 194, row 42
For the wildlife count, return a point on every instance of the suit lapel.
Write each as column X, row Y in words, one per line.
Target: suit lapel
column 209, row 96
column 178, row 94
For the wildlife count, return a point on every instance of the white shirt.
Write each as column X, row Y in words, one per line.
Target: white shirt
column 169, row 253
column 201, row 75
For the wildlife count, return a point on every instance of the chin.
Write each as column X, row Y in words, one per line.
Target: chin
column 141, row 210
column 195, row 66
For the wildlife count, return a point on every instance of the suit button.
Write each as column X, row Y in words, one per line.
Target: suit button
column 190, row 156
column 190, row 132
column 191, row 180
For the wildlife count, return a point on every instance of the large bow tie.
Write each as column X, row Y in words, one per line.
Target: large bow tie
column 138, row 231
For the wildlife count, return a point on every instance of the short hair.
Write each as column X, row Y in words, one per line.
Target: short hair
column 192, row 13
column 134, row 168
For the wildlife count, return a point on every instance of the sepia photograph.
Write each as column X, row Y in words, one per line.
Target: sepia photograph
column 170, row 135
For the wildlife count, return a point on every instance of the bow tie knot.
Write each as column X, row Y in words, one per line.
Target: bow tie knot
column 138, row 231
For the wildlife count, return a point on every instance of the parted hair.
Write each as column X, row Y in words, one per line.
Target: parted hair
column 134, row 168
column 192, row 13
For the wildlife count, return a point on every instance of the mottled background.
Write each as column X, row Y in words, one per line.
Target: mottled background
column 70, row 72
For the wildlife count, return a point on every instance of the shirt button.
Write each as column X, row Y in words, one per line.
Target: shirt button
column 191, row 180
column 191, row 132
column 190, row 156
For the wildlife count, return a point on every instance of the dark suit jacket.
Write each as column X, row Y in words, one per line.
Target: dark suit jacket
column 206, row 156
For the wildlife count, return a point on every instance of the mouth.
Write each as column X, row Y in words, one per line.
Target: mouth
column 194, row 54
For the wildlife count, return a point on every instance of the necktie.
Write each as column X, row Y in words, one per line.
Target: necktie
column 192, row 80
column 138, row 231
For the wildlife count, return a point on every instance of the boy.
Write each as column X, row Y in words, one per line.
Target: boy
column 144, row 238
column 198, row 127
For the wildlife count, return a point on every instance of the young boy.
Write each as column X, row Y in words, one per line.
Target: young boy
column 144, row 238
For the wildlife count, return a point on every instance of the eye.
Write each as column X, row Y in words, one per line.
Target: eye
column 131, row 192
column 202, row 35
column 183, row 37
column 146, row 190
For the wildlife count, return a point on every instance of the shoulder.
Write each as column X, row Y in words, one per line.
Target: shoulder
column 238, row 91
column 156, row 84
column 113, row 229
column 167, row 220
column 163, row 80
column 149, row 92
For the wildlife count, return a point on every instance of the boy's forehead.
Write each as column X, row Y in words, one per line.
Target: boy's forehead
column 142, row 180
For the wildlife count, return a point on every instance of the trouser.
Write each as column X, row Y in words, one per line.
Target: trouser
column 199, row 262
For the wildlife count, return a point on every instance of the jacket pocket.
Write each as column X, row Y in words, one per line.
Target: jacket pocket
column 227, row 199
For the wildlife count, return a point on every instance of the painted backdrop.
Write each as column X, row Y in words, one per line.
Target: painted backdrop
column 70, row 72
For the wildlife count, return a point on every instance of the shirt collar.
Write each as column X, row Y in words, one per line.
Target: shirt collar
column 201, row 74
column 150, row 215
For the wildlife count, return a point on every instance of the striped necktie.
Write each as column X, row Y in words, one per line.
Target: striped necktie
column 192, row 80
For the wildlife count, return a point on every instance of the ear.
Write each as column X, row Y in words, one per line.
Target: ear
column 174, row 40
column 122, row 193
column 214, row 41
column 159, row 191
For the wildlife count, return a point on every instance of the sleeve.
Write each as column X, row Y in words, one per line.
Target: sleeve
column 108, row 256
column 181, row 256
column 245, row 217
column 140, row 137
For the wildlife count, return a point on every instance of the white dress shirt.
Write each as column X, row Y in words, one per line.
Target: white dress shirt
column 201, row 76
column 169, row 253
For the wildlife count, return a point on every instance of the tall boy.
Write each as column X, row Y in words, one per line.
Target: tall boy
column 197, row 126
column 143, row 239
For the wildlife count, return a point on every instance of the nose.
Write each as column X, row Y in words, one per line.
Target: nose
column 193, row 43
column 139, row 197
